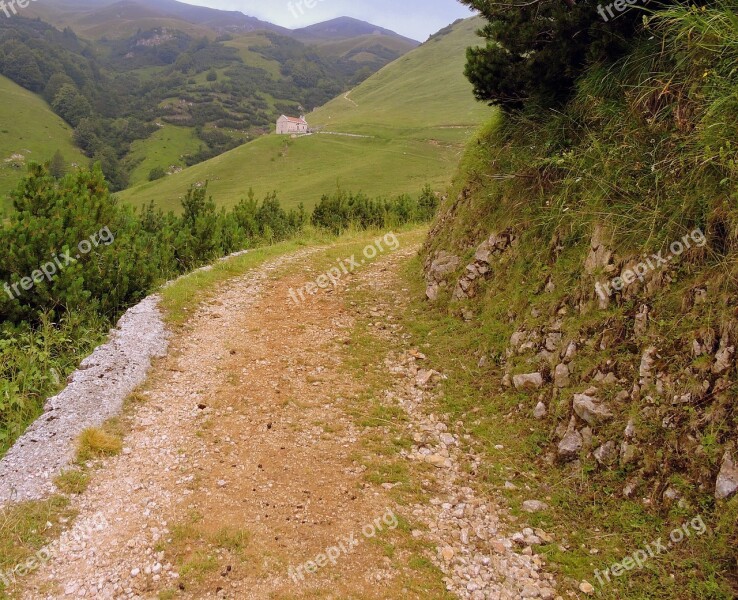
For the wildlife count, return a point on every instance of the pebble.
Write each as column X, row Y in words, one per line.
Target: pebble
column 586, row 587
column 532, row 506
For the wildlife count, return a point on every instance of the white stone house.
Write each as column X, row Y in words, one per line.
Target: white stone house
column 287, row 125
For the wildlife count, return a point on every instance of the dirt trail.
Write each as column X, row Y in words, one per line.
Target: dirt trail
column 346, row 97
column 242, row 464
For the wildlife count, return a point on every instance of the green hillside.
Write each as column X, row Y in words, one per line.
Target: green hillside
column 244, row 44
column 418, row 111
column 117, row 21
column 416, row 96
column 164, row 149
column 29, row 131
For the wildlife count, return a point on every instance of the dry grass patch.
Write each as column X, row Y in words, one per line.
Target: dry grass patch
column 72, row 481
column 98, row 442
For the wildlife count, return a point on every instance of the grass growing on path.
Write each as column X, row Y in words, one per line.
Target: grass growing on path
column 25, row 529
column 384, row 425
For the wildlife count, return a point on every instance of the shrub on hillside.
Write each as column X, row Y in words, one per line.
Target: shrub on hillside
column 536, row 50
column 52, row 217
column 342, row 210
column 157, row 173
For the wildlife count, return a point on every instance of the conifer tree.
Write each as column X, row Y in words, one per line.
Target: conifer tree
column 536, row 49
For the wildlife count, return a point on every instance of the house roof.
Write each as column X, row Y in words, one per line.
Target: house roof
column 298, row 120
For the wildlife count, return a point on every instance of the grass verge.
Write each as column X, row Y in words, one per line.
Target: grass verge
column 25, row 531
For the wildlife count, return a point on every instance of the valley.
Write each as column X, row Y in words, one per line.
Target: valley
column 416, row 115
column 130, row 78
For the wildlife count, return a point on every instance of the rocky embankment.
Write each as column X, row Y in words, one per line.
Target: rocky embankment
column 601, row 379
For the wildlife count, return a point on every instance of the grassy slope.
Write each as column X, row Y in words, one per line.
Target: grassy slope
column 244, row 42
column 363, row 48
column 28, row 127
column 415, row 96
column 91, row 22
column 419, row 110
column 163, row 149
column 124, row 28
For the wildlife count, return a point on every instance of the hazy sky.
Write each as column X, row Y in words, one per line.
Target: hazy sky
column 414, row 18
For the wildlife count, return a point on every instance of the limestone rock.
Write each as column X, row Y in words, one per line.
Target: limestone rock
column 586, row 587
column 496, row 244
column 533, row 506
column 431, row 292
column 540, row 411
column 426, row 376
column 553, row 341
column 528, row 382
column 443, row 265
column 561, row 376
column 628, row 453
column 606, row 454
column 727, row 481
column 641, row 321
column 590, row 410
column 646, row 367
column 723, row 358
column 438, row 461
column 517, row 339
column 571, row 444
column 447, row 554
column 599, row 255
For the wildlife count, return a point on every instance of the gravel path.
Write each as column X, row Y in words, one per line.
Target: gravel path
column 243, row 463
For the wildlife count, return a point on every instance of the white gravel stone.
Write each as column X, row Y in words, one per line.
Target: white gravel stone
column 95, row 393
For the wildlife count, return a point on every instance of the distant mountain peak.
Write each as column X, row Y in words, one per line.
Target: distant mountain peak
column 346, row 27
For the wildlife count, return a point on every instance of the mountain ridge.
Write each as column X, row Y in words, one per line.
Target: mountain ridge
column 344, row 27
column 90, row 19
